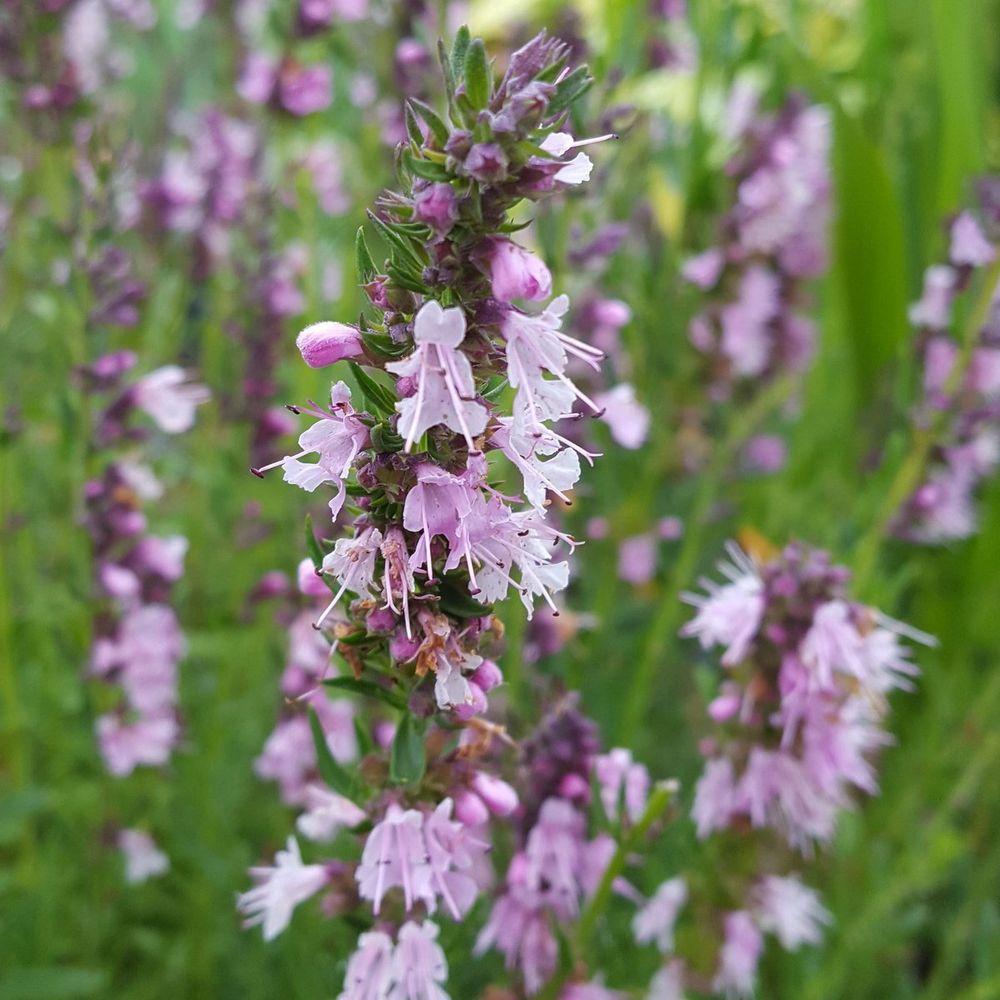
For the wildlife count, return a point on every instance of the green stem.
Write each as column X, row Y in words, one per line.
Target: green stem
column 662, row 794
column 911, row 472
column 665, row 622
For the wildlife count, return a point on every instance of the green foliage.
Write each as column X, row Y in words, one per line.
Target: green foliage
column 914, row 877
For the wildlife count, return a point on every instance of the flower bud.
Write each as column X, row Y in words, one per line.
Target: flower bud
column 470, row 809
column 487, row 676
column 436, row 205
column 500, row 798
column 324, row 343
column 516, row 273
column 487, row 162
column 309, row 580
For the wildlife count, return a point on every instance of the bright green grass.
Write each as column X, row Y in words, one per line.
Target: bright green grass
column 914, row 878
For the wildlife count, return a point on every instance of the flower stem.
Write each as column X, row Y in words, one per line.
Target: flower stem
column 662, row 794
column 911, row 472
column 665, row 622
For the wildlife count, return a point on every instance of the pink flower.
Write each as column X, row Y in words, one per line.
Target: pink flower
column 325, row 343
column 395, row 855
column 437, row 206
column 832, row 645
column 280, row 890
column 369, row 973
column 714, row 797
column 445, row 387
column 746, row 335
column 655, row 921
column 336, row 438
column 352, row 564
column 545, row 460
column 258, row 77
column 731, row 614
column 739, row 956
column 305, row 89
column 628, row 419
column 516, row 273
column 500, row 798
column 143, row 859
column 968, row 244
column 577, row 170
column 789, row 910
column 705, row 269
column 163, row 557
column 668, row 983
column 419, row 966
column 326, row 813
column 523, row 933
column 637, row 559
column 148, row 740
column 617, row 773
column 536, row 347
column 765, row 453
column 169, row 399
column 453, row 854
column 933, row 310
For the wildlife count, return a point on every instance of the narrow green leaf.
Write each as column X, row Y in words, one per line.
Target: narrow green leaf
column 379, row 397
column 431, row 119
column 413, row 129
column 363, row 259
column 477, row 75
column 382, row 346
column 313, row 547
column 426, row 169
column 396, row 239
column 340, row 780
column 447, row 71
column 572, row 87
column 367, row 688
column 408, row 759
column 460, row 46
column 870, row 256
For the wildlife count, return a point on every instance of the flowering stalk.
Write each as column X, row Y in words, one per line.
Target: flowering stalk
column 798, row 721
column 458, row 381
column 138, row 642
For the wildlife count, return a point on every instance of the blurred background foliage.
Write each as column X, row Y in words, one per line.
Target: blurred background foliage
column 914, row 877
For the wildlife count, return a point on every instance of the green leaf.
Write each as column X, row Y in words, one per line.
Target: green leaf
column 456, row 600
column 427, row 169
column 460, row 46
column 52, row 983
column 430, row 117
column 406, row 279
column 447, row 71
column 569, row 89
column 396, row 239
column 340, row 780
column 382, row 346
column 363, row 259
column 413, row 129
column 313, row 546
column 477, row 75
column 408, row 759
column 367, row 688
column 378, row 396
column 870, row 256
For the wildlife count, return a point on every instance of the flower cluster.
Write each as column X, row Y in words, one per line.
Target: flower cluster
column 961, row 386
column 461, row 375
column 557, row 866
column 799, row 717
column 774, row 238
column 138, row 642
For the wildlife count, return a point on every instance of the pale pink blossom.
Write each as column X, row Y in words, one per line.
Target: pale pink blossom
column 369, row 973
column 516, row 273
column 323, row 344
column 445, row 392
column 326, row 813
column 783, row 906
column 143, row 859
column 655, row 921
column 125, row 745
column 731, row 614
column 628, row 419
column 395, row 855
column 739, row 956
column 167, row 396
column 419, row 965
column 968, row 244
column 280, row 889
